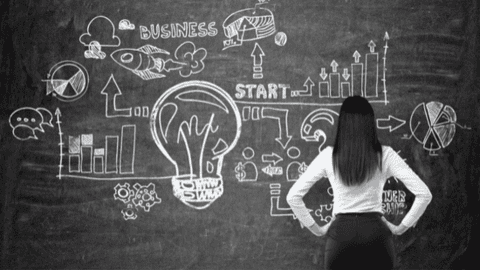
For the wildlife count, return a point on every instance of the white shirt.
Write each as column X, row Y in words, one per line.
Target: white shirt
column 366, row 197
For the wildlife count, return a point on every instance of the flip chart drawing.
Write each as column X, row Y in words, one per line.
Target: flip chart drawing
column 192, row 139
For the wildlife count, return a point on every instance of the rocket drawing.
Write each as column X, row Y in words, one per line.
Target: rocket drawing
column 148, row 62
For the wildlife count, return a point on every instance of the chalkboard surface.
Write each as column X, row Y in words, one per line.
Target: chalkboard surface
column 166, row 134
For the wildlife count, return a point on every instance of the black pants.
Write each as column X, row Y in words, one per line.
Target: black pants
column 359, row 241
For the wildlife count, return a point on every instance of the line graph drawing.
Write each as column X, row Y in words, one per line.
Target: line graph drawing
column 67, row 81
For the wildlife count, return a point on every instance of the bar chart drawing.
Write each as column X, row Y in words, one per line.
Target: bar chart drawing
column 363, row 79
column 117, row 156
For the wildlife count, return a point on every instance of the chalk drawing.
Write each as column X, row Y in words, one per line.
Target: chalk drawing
column 275, row 209
column 271, row 158
column 320, row 212
column 141, row 196
column 184, row 126
column 281, row 116
column 149, row 62
column 247, row 171
column 94, row 51
column 102, row 30
column 394, row 202
column 313, row 125
column 100, row 33
column 249, row 25
column 111, row 92
column 60, row 143
column 295, row 169
column 307, row 92
column 257, row 55
column 126, row 25
column 67, row 80
column 116, row 157
column 26, row 121
column 391, row 123
column 433, row 124
column 280, row 39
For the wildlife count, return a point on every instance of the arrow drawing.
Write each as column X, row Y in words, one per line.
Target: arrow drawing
column 257, row 55
column 281, row 115
column 60, row 144
column 272, row 158
column 111, row 91
column 391, row 123
column 357, row 56
column 345, row 74
column 323, row 75
column 304, row 93
column 372, row 45
column 334, row 66
column 271, row 170
column 384, row 77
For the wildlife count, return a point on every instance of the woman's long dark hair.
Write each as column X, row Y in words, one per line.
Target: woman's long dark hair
column 357, row 152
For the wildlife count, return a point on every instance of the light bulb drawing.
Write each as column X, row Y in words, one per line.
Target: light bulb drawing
column 195, row 124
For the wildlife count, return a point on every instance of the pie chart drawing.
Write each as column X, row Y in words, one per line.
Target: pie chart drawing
column 67, row 80
column 433, row 125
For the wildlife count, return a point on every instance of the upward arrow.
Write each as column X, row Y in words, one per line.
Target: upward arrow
column 356, row 55
column 372, row 45
column 111, row 91
column 257, row 55
column 334, row 66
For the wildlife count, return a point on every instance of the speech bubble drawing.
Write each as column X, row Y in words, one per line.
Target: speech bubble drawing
column 25, row 121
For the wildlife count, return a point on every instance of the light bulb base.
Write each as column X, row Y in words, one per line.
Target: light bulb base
column 197, row 193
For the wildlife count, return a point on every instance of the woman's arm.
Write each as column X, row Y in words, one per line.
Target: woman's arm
column 314, row 172
column 399, row 169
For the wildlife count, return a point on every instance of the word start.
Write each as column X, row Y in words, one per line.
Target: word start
column 260, row 91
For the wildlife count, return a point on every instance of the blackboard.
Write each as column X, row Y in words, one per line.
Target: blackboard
column 166, row 134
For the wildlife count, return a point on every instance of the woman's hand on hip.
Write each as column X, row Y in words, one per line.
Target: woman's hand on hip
column 395, row 229
column 320, row 230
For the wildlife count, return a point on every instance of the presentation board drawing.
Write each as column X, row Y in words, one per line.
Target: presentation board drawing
column 195, row 124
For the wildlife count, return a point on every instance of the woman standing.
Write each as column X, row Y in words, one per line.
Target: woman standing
column 357, row 167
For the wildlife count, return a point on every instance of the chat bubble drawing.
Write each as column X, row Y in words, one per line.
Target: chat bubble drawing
column 26, row 121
